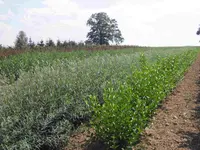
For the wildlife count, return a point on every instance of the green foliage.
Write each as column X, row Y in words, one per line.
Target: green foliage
column 12, row 66
column 46, row 103
column 43, row 107
column 58, row 43
column 50, row 43
column 41, row 43
column 126, row 110
column 21, row 40
column 103, row 29
column 31, row 44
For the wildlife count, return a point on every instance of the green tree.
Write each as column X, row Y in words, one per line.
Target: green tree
column 21, row 41
column 81, row 43
column 103, row 30
column 58, row 44
column 1, row 46
column 71, row 43
column 50, row 43
column 41, row 43
column 31, row 44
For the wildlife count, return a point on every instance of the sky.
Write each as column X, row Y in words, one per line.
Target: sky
column 142, row 22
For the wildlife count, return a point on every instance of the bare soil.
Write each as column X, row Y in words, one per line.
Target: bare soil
column 175, row 126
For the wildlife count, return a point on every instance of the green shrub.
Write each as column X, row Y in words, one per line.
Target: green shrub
column 42, row 108
column 45, row 105
column 12, row 66
column 126, row 110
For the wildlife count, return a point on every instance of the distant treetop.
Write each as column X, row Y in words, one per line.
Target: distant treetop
column 198, row 31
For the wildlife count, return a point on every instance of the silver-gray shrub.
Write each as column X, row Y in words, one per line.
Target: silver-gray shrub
column 41, row 109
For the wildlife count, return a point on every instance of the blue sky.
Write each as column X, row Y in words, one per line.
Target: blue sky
column 142, row 22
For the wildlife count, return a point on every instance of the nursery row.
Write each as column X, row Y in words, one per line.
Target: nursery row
column 51, row 94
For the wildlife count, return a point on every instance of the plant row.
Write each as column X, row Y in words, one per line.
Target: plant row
column 42, row 108
column 127, row 109
column 12, row 66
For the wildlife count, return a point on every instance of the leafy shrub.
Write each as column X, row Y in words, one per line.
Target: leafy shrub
column 126, row 110
column 42, row 108
column 12, row 66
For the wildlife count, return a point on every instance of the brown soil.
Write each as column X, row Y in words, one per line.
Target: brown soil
column 175, row 126
column 82, row 140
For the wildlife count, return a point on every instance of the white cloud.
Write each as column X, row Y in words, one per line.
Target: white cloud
column 58, row 19
column 1, row 2
column 165, row 22
column 61, row 7
column 4, row 26
column 6, row 34
column 7, row 16
column 55, row 8
column 152, row 22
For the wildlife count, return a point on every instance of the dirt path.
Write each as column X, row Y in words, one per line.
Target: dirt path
column 176, row 125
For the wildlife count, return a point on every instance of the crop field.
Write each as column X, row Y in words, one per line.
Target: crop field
column 46, row 96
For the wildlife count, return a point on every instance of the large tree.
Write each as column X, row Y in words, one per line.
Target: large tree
column 103, row 30
column 21, row 41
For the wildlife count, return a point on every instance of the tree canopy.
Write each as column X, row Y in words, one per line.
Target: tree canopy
column 50, row 43
column 21, row 41
column 103, row 30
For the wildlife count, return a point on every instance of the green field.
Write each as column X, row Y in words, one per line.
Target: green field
column 45, row 96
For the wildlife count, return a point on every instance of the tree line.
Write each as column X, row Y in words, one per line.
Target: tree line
column 103, row 31
column 23, row 42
